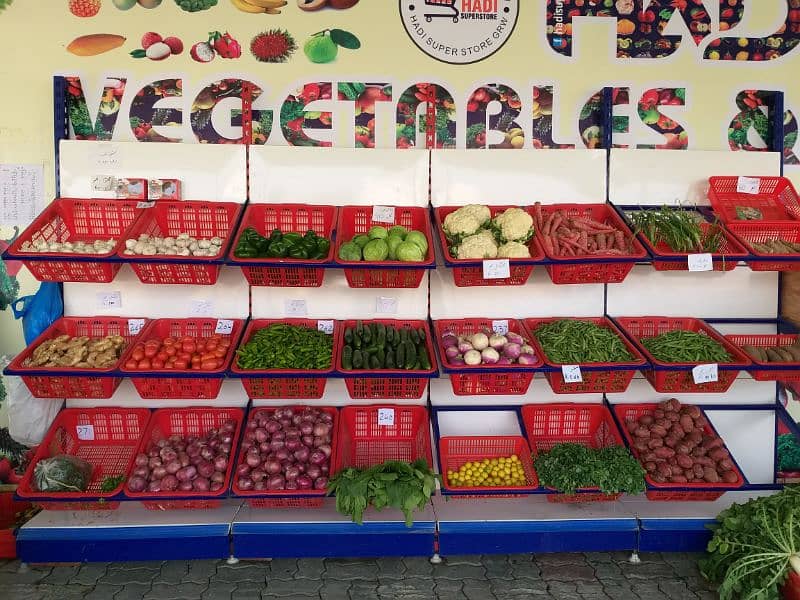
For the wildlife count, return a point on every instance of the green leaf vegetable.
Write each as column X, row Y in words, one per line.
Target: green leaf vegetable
column 9, row 287
column 195, row 5
column 5, row 4
column 394, row 484
column 788, row 452
column 677, row 228
column 569, row 467
column 575, row 342
column 754, row 547
column 109, row 484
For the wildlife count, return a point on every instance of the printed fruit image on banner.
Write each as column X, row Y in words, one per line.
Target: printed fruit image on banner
column 785, row 38
column 459, row 31
column 417, row 98
column 295, row 118
column 365, row 96
column 144, row 117
column 503, row 122
column 751, row 128
column 78, row 113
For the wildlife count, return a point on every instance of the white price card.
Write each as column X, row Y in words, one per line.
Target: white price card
column 571, row 374
column 145, row 204
column 383, row 214
column 748, row 185
column 135, row 326
column 705, row 374
column 496, row 269
column 104, row 183
column 296, row 308
column 85, row 432
column 224, row 326
column 386, row 306
column 386, row 417
column 109, row 300
column 201, row 308
column 500, row 327
column 701, row 262
column 325, row 326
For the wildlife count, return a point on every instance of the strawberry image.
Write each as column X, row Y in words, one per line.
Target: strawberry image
column 225, row 45
column 84, row 8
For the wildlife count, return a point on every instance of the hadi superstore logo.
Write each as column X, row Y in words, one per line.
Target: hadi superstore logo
column 459, row 31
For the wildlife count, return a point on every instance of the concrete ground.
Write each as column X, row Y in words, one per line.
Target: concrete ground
column 596, row 576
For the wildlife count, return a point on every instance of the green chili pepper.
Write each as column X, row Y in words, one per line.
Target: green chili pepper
column 281, row 346
column 575, row 342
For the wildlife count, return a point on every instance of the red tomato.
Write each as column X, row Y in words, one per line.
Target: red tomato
column 225, row 343
column 181, row 364
column 162, row 355
column 157, row 363
column 150, row 351
column 211, row 345
column 168, row 365
column 196, row 360
column 185, row 356
column 209, row 365
column 131, row 364
column 189, row 347
column 144, row 363
column 186, row 338
column 137, row 354
column 169, row 341
column 220, row 352
column 201, row 346
column 171, row 350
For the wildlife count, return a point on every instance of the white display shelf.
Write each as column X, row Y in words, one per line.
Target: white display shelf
column 511, row 177
column 539, row 297
column 335, row 300
column 231, row 394
column 653, row 177
column 338, row 176
column 646, row 509
column 336, row 395
column 216, row 172
column 740, row 293
column 478, row 423
column 539, row 392
column 228, row 298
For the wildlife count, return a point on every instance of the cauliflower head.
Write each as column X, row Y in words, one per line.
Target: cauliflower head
column 514, row 224
column 480, row 245
column 513, row 250
column 466, row 220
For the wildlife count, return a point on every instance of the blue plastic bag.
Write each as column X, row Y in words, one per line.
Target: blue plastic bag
column 40, row 310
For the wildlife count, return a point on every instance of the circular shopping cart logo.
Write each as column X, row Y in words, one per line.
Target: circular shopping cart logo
column 459, row 31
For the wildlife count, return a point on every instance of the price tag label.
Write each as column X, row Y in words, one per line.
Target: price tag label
column 135, row 326
column 224, row 326
column 386, row 306
column 571, row 374
column 109, row 300
column 383, row 214
column 747, row 185
column 145, row 204
column 701, row 262
column 496, row 269
column 85, row 432
column 705, row 374
column 104, row 183
column 500, row 327
column 325, row 327
column 296, row 308
column 386, row 417
column 201, row 308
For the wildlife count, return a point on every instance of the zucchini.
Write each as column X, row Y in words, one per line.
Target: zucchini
column 347, row 358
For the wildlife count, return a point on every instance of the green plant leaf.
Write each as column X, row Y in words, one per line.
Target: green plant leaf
column 345, row 39
column 138, row 53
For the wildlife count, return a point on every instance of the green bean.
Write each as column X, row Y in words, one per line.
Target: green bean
column 280, row 346
column 682, row 346
column 571, row 342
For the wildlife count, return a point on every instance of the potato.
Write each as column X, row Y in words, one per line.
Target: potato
column 658, row 431
column 719, row 454
column 679, row 479
column 649, row 456
column 699, row 451
column 687, row 423
column 665, row 423
column 699, row 471
column 672, row 416
column 709, row 443
column 689, row 474
column 710, row 475
column 704, row 460
column 664, row 470
column 640, row 444
column 642, row 432
column 682, row 449
column 730, row 477
column 646, row 420
column 664, row 452
column 671, row 441
column 695, row 436
column 658, row 478
column 725, row 464
column 650, row 466
column 658, row 414
column 685, row 462
column 632, row 426
column 655, row 443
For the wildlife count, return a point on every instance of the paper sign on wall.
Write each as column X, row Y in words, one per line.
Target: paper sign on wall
column 296, row 308
column 109, row 300
column 21, row 193
column 386, row 306
column 201, row 308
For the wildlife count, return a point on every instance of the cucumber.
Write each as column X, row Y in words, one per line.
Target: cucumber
column 367, row 337
column 411, row 355
column 347, row 358
column 390, row 362
column 404, row 335
column 424, row 362
column 381, row 354
column 414, row 336
column 390, row 335
column 348, row 336
column 357, row 342
column 360, row 328
column 400, row 357
column 374, row 363
column 358, row 359
column 422, row 334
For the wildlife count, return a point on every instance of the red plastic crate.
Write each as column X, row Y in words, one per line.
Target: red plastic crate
column 8, row 510
column 726, row 259
column 76, row 220
column 198, row 219
column 587, row 424
column 792, row 371
column 285, row 383
column 363, row 442
column 388, row 384
column 595, row 271
column 166, row 422
column 470, row 276
column 284, row 498
column 698, row 492
column 299, row 218
column 63, row 383
column 111, row 438
column 354, row 220
column 164, row 386
column 750, row 232
column 611, row 381
column 776, row 199
column 454, row 451
column 681, row 381
column 504, row 380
